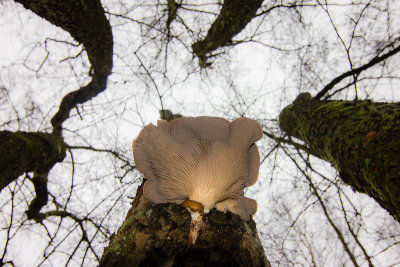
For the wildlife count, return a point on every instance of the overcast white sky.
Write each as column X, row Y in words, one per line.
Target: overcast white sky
column 116, row 116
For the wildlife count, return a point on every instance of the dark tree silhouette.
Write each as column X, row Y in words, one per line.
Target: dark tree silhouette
column 232, row 19
column 87, row 24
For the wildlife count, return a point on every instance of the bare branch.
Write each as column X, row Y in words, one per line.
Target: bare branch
column 356, row 71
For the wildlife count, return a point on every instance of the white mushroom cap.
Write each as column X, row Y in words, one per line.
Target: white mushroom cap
column 205, row 159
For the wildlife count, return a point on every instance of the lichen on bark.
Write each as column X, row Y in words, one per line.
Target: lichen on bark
column 158, row 235
column 361, row 139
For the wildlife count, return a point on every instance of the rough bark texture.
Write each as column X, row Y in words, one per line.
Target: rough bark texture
column 22, row 152
column 361, row 139
column 232, row 19
column 86, row 22
column 158, row 235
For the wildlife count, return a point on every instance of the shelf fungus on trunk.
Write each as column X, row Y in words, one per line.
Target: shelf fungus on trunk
column 201, row 163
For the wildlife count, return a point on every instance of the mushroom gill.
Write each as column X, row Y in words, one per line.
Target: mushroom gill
column 203, row 159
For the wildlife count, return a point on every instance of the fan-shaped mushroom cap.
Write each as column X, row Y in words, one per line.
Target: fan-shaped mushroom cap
column 243, row 206
column 205, row 159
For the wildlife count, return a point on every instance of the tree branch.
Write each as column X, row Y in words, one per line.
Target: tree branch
column 292, row 143
column 232, row 19
column 40, row 183
column 26, row 152
column 87, row 24
column 356, row 71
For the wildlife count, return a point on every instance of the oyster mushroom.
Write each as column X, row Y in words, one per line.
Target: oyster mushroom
column 202, row 162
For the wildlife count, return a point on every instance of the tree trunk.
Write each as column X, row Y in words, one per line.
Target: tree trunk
column 158, row 235
column 361, row 139
column 232, row 19
column 22, row 152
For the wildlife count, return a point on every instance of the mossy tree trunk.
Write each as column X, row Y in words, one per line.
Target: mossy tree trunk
column 158, row 235
column 361, row 139
column 22, row 152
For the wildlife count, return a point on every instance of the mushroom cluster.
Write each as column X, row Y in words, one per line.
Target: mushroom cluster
column 205, row 162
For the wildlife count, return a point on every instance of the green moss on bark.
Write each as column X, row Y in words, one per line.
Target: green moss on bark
column 22, row 152
column 360, row 139
column 158, row 235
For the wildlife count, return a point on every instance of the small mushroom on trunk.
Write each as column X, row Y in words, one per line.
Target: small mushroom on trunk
column 202, row 162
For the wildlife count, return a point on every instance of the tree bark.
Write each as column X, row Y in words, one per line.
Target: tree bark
column 158, row 235
column 232, row 19
column 361, row 139
column 22, row 152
